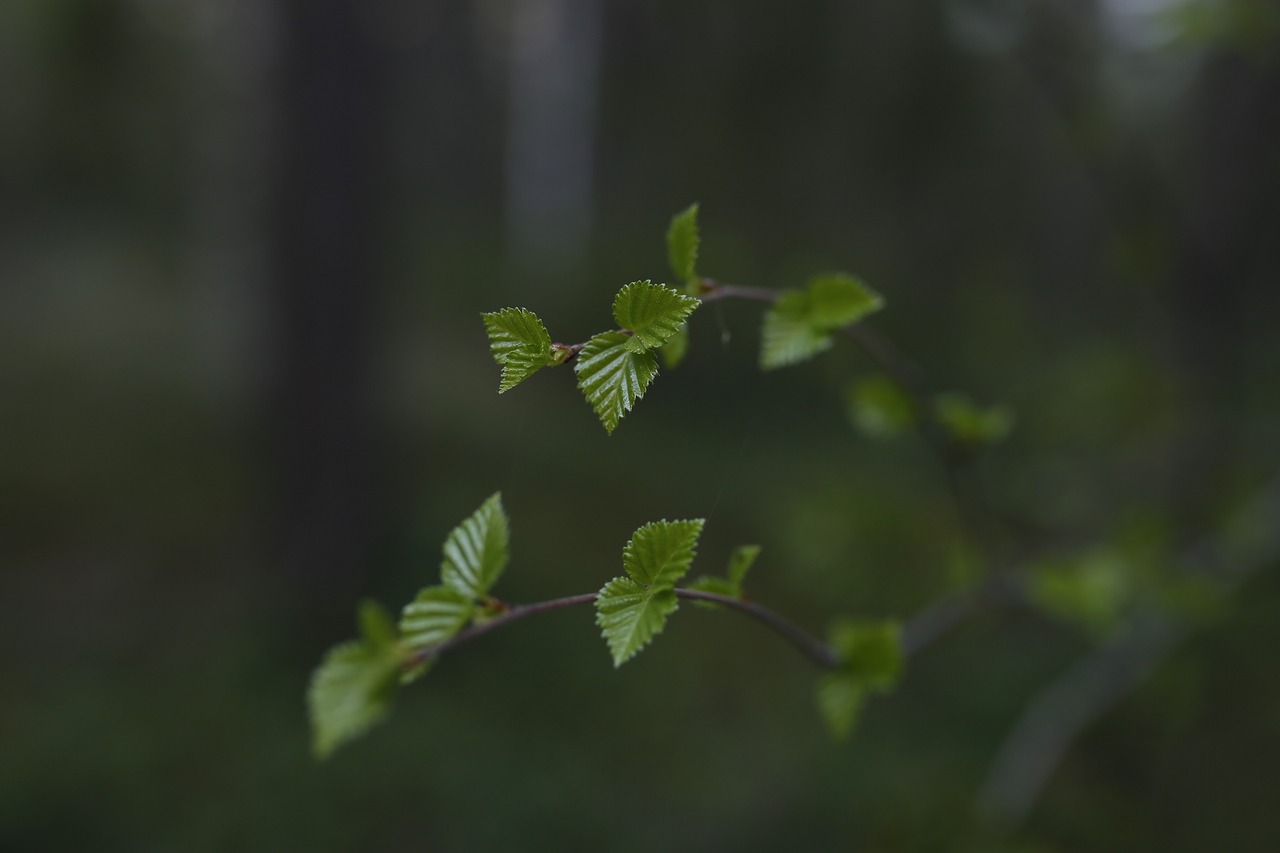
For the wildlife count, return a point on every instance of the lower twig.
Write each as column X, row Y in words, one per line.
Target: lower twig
column 1057, row 715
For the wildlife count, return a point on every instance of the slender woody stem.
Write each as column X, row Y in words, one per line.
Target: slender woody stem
column 974, row 521
column 511, row 614
column 918, row 632
column 808, row 645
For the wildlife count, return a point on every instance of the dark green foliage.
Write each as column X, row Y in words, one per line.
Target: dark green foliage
column 353, row 687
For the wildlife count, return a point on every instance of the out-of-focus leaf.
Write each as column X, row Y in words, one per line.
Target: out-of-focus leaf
column 840, row 697
column 682, row 243
column 972, row 425
column 870, row 661
column 1090, row 590
column 799, row 324
column 870, row 650
column 838, row 299
column 435, row 614
column 674, row 350
column 375, row 624
column 740, row 562
column 878, row 408
column 352, row 688
column 788, row 336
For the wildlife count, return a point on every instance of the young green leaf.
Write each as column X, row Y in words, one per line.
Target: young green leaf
column 788, row 336
column 1090, row 590
column 375, row 624
column 629, row 615
column 840, row 697
column 674, row 350
column 878, row 408
column 435, row 615
column 870, row 655
column 631, row 610
column 476, row 551
column 612, row 377
column 653, row 313
column 661, row 552
column 711, row 583
column 838, row 299
column 520, row 344
column 969, row 424
column 799, row 324
column 682, row 243
column 870, row 651
column 352, row 688
column 739, row 563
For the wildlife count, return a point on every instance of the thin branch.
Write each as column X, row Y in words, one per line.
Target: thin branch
column 506, row 617
column 902, row 370
column 935, row 620
column 1057, row 715
column 975, row 521
column 808, row 645
column 1061, row 711
column 917, row 633
column 713, row 291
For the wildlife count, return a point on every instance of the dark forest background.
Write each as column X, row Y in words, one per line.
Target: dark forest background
column 244, row 383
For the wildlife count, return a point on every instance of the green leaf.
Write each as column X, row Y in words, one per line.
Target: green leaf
column 352, row 688
column 682, row 243
column 435, row 615
column 476, row 551
column 713, row 584
column 660, row 553
column 870, row 651
column 788, row 336
column 631, row 610
column 840, row 698
column 972, row 425
column 653, row 313
column 629, row 615
column 376, row 626
column 838, row 299
column 870, row 661
column 612, row 377
column 674, row 350
column 878, row 408
column 799, row 324
column 1090, row 590
column 740, row 562
column 520, row 345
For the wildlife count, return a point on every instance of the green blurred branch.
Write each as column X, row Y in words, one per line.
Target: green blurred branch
column 975, row 520
column 1056, row 716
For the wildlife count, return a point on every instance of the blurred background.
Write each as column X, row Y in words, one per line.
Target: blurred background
column 245, row 247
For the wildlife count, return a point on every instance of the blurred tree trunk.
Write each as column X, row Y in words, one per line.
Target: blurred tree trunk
column 326, row 280
column 1229, row 214
column 551, row 129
